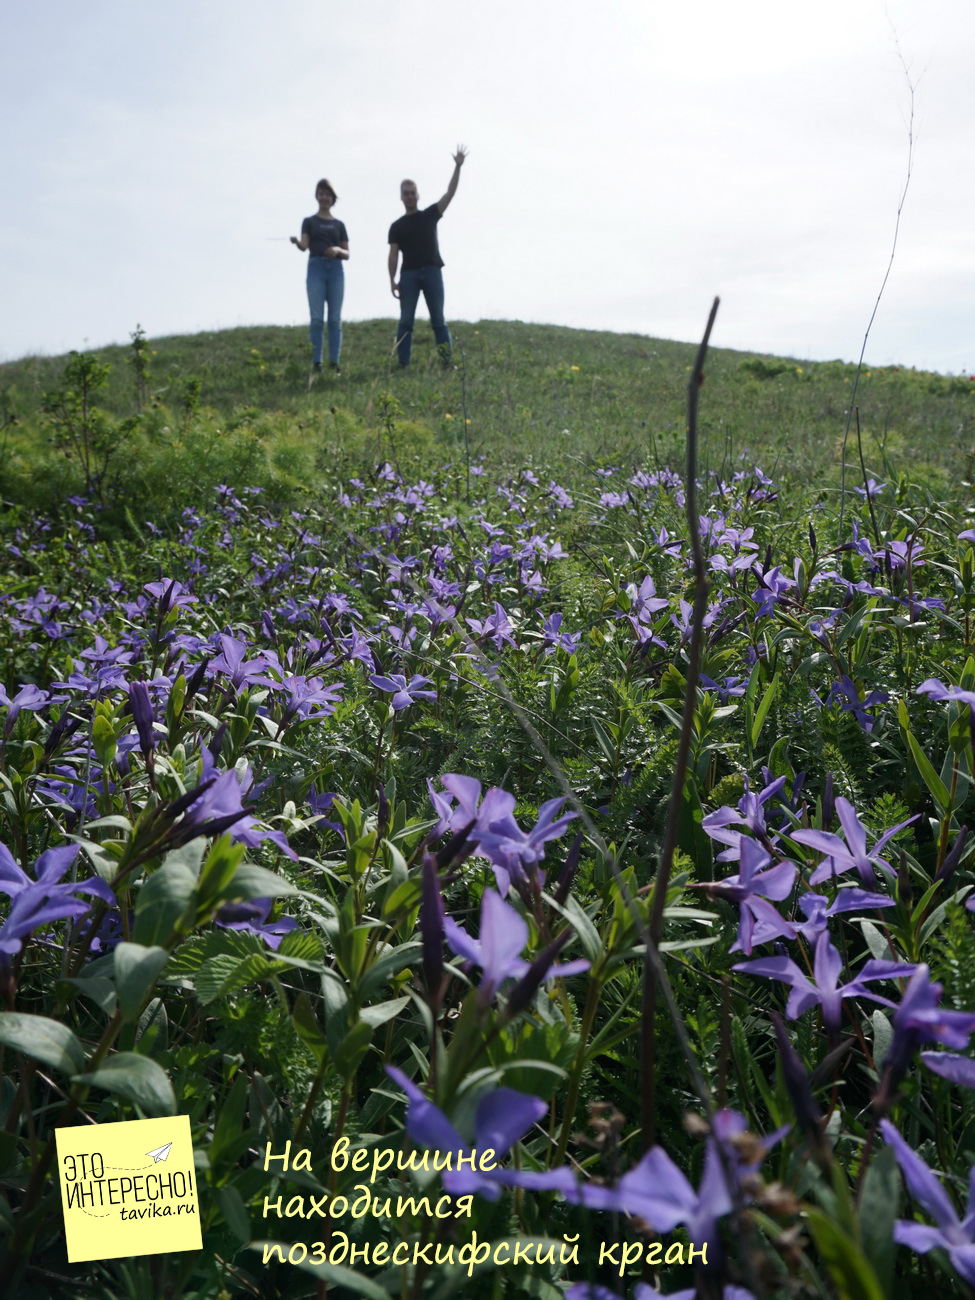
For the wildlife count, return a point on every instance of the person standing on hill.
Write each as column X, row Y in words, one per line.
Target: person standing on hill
column 415, row 236
column 328, row 242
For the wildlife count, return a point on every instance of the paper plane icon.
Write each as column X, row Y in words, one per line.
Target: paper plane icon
column 160, row 1153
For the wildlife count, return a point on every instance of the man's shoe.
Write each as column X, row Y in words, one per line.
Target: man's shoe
column 334, row 367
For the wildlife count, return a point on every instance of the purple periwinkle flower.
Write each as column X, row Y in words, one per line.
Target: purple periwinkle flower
column 817, row 908
column 170, row 593
column 854, row 854
column 29, row 697
column 750, row 889
column 723, row 824
column 252, row 917
column 950, row 1233
column 845, row 691
column 515, row 853
column 404, row 693
column 501, row 1119
column 825, row 989
column 141, row 706
column 498, row 948
column 919, row 1020
column 36, row 903
column 938, row 691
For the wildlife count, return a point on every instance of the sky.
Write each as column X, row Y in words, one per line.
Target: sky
column 628, row 162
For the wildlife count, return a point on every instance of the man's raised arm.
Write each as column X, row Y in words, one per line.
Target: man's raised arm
column 459, row 157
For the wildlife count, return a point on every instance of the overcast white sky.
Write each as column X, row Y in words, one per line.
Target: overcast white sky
column 628, row 161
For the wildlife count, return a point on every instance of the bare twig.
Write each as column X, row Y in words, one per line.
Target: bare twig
column 866, row 483
column 648, row 1061
column 911, row 86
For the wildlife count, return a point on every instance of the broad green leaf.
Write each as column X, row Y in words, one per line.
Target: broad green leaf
column 136, row 971
column 164, row 903
column 388, row 965
column 762, row 711
column 136, row 1079
column 352, row 1049
column 883, row 1036
column 103, row 738
column 878, row 1209
column 235, row 1213
column 335, row 1009
column 848, row 1267
column 251, row 881
column 224, row 975
column 877, row 942
column 220, row 868
column 929, row 776
column 308, row 1029
column 99, row 989
column 691, row 836
column 348, row 1279
column 383, row 1011
column 47, row 1041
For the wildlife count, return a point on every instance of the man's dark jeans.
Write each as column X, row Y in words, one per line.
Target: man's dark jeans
column 427, row 280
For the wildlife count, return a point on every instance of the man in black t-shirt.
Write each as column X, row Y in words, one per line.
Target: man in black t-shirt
column 415, row 236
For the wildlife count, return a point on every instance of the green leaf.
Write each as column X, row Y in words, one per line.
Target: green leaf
column 877, row 942
column 849, row 1269
column 691, row 836
column 251, row 881
column 355, row 1283
column 763, row 708
column 939, row 791
column 383, row 1011
column 229, row 1129
column 307, row 1028
column 878, row 1210
column 99, row 989
column 219, row 868
column 136, row 971
column 47, row 1041
column 335, row 1009
column 604, row 741
column 235, row 1213
column 352, row 1049
column 883, row 1036
column 225, row 974
column 389, row 964
column 103, row 738
column 578, row 918
column 165, row 902
column 136, row 1079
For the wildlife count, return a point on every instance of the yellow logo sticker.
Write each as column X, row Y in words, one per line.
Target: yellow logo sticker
column 128, row 1189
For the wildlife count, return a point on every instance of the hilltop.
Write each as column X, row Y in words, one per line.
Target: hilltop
column 208, row 406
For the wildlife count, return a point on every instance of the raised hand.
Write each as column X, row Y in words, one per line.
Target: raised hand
column 460, row 155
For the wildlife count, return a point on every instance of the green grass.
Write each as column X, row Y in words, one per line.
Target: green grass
column 532, row 393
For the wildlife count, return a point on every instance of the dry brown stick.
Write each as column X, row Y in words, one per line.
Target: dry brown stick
column 648, row 1053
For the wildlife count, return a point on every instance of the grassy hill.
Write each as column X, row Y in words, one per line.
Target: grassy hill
column 236, row 402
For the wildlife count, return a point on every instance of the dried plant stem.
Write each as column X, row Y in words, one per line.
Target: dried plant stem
column 648, row 1053
column 911, row 86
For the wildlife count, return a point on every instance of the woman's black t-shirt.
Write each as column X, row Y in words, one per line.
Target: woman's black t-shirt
column 323, row 232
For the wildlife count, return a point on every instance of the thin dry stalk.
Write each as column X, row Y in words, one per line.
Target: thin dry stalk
column 648, row 1052
column 911, row 86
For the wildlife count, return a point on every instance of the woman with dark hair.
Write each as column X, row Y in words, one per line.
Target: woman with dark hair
column 327, row 241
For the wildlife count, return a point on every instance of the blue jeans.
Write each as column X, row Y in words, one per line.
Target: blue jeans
column 429, row 281
column 325, row 284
